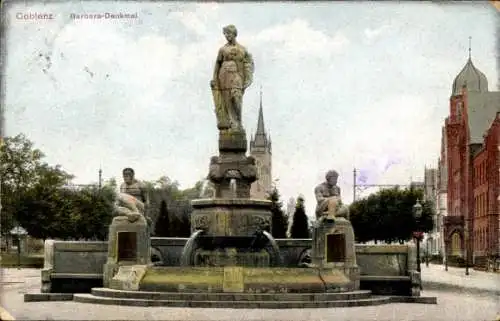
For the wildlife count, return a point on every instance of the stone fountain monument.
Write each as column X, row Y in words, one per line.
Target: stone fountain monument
column 231, row 248
column 231, row 259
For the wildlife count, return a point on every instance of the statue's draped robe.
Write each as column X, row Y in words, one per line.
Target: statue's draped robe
column 234, row 76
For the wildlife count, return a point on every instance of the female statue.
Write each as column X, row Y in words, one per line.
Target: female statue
column 233, row 73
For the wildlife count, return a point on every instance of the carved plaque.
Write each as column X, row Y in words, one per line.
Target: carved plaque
column 222, row 222
column 201, row 222
column 129, row 277
column 127, row 246
column 335, row 248
column 233, row 279
column 261, row 221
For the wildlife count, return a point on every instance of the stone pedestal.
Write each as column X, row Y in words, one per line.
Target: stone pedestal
column 128, row 245
column 334, row 248
column 233, row 141
column 231, row 229
column 232, row 165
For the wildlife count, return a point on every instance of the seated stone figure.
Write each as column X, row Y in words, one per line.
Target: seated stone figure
column 329, row 204
column 128, row 206
column 131, row 186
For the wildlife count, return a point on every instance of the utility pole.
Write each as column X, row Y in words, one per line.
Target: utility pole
column 100, row 177
column 354, row 185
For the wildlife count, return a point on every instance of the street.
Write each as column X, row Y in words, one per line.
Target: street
column 461, row 305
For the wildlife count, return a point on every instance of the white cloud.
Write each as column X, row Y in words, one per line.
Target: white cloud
column 372, row 34
column 299, row 38
column 197, row 19
column 154, row 111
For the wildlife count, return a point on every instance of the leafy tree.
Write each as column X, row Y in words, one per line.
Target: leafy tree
column 41, row 209
column 24, row 175
column 65, row 213
column 163, row 223
column 92, row 210
column 111, row 183
column 178, row 204
column 18, row 163
column 279, row 220
column 300, row 224
column 388, row 215
column 34, row 195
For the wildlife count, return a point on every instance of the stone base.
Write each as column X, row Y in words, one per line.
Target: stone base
column 244, row 280
column 231, row 301
column 129, row 244
column 334, row 247
column 243, row 300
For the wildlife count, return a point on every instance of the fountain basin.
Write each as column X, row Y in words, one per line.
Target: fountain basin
column 237, row 279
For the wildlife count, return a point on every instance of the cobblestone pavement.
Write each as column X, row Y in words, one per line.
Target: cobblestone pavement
column 451, row 306
column 436, row 275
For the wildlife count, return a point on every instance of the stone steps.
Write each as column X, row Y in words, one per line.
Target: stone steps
column 180, row 296
column 248, row 304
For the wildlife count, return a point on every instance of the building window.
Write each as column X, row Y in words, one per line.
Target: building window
column 486, row 238
column 459, row 109
column 482, row 239
column 475, row 206
column 455, row 244
column 482, row 204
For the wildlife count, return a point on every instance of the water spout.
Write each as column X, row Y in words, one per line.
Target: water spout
column 187, row 255
column 233, row 187
column 206, row 190
column 273, row 249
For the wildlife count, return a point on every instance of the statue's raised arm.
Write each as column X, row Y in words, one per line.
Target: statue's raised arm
column 233, row 73
column 249, row 68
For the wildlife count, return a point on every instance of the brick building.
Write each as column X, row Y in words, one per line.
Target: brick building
column 470, row 228
column 486, row 190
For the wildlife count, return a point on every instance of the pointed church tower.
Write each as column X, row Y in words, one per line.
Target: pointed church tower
column 260, row 149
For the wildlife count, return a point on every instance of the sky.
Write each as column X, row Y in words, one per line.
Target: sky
column 361, row 85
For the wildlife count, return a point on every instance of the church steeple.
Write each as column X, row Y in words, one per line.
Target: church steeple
column 470, row 77
column 260, row 138
column 260, row 149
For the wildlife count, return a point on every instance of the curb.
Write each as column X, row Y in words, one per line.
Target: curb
column 40, row 297
column 5, row 316
column 441, row 286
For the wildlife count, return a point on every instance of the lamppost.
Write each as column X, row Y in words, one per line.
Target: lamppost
column 18, row 232
column 427, row 251
column 418, row 235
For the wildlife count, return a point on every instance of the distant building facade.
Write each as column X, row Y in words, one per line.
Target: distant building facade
column 442, row 195
column 469, row 160
column 433, row 239
column 260, row 149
